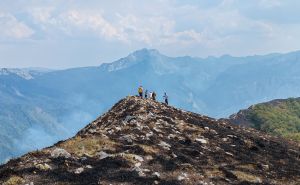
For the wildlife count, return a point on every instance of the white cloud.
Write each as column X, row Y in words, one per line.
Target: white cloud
column 156, row 31
column 12, row 28
column 41, row 14
column 175, row 27
column 270, row 3
column 151, row 28
column 74, row 23
column 147, row 30
column 92, row 22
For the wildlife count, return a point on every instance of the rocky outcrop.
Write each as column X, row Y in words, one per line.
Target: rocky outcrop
column 146, row 142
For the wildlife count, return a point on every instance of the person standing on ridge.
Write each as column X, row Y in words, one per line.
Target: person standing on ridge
column 146, row 94
column 166, row 98
column 140, row 91
column 153, row 95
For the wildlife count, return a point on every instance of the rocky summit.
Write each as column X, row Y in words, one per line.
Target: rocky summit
column 141, row 141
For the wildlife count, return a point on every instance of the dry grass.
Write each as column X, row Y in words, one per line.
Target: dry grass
column 150, row 149
column 246, row 166
column 88, row 146
column 132, row 158
column 43, row 167
column 249, row 143
column 14, row 180
column 242, row 176
column 214, row 172
column 191, row 177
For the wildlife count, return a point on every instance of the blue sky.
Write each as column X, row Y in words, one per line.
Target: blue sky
column 71, row 33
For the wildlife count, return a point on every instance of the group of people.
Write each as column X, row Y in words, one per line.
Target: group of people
column 151, row 95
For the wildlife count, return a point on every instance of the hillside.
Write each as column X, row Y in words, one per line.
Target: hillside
column 277, row 117
column 146, row 142
column 59, row 103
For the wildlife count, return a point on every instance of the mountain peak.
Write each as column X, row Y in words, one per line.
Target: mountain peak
column 136, row 57
column 128, row 108
column 25, row 74
column 141, row 141
column 146, row 52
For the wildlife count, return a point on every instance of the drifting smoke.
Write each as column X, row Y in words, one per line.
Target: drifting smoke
column 50, row 129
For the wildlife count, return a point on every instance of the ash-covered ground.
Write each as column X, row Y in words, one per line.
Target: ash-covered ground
column 140, row 141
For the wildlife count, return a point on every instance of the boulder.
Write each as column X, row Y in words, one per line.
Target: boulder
column 165, row 145
column 79, row 170
column 156, row 174
column 182, row 177
column 59, row 152
column 103, row 155
column 203, row 141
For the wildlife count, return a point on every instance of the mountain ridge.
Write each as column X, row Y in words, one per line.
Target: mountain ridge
column 149, row 51
column 69, row 99
column 278, row 117
column 141, row 141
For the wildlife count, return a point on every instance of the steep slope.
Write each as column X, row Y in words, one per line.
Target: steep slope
column 259, row 79
column 69, row 99
column 277, row 117
column 26, row 113
column 145, row 142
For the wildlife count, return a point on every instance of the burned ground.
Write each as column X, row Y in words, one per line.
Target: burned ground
column 145, row 142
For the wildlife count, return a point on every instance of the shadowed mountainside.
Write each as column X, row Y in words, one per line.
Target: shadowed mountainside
column 146, row 142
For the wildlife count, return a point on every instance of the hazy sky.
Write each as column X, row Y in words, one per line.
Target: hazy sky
column 69, row 33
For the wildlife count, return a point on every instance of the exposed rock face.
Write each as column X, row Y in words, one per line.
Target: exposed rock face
column 145, row 142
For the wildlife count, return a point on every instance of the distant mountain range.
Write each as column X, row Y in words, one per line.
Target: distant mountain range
column 39, row 107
